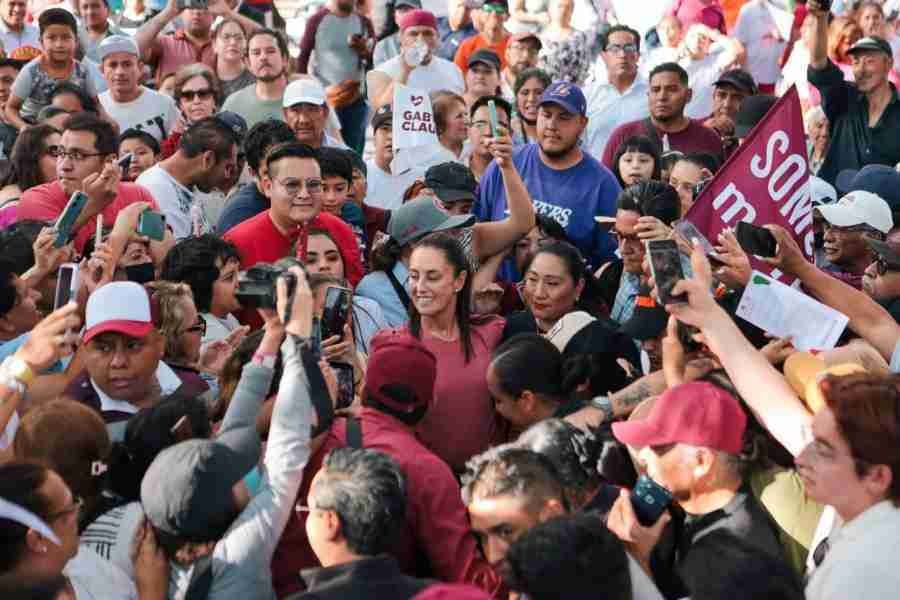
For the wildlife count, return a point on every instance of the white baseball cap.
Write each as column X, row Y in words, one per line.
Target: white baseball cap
column 821, row 191
column 303, row 91
column 120, row 306
column 859, row 208
column 566, row 328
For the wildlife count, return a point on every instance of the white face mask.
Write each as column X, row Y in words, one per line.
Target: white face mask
column 416, row 54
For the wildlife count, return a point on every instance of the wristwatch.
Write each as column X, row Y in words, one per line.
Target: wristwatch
column 602, row 403
column 15, row 374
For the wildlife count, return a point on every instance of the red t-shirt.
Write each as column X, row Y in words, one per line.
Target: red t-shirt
column 259, row 240
column 477, row 42
column 696, row 138
column 45, row 203
column 462, row 421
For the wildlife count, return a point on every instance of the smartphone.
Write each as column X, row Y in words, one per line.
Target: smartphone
column 346, row 389
column 690, row 232
column 152, row 224
column 290, row 281
column 495, row 124
column 98, row 233
column 125, row 162
column 665, row 266
column 756, row 240
column 67, row 218
column 649, row 500
column 335, row 312
column 66, row 285
column 315, row 339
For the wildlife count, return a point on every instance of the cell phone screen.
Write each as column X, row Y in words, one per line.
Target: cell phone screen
column 344, row 373
column 66, row 283
column 665, row 264
column 335, row 311
column 495, row 124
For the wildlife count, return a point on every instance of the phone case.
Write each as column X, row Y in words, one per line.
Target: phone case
column 67, row 218
column 649, row 500
column 665, row 265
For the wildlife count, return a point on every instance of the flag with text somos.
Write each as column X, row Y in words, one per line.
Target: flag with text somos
column 765, row 182
column 414, row 131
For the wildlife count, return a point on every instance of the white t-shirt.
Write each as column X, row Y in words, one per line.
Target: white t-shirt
column 703, row 74
column 438, row 74
column 151, row 112
column 110, row 536
column 184, row 212
column 96, row 579
column 384, row 190
column 757, row 30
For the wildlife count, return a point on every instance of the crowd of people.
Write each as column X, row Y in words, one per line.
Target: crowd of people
column 253, row 345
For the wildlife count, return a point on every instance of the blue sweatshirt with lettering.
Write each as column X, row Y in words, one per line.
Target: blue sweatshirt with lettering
column 572, row 197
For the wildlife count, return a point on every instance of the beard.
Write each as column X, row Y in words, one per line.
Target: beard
column 561, row 153
column 271, row 78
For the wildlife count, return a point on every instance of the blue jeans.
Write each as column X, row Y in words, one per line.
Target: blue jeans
column 353, row 124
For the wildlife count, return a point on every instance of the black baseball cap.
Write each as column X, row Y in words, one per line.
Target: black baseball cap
column 871, row 43
column 451, row 182
column 187, row 491
column 485, row 56
column 383, row 116
column 739, row 79
column 881, row 180
column 752, row 111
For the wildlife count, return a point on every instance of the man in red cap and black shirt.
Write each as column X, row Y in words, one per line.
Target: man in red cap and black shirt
column 691, row 444
column 437, row 541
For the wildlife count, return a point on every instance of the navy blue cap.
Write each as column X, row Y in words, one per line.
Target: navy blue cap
column 881, row 180
column 568, row 95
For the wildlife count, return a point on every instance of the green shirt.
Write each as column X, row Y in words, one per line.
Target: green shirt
column 245, row 103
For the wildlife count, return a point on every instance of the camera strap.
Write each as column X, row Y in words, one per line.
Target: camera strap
column 399, row 289
column 318, row 391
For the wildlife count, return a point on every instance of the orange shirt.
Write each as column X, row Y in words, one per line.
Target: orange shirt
column 477, row 42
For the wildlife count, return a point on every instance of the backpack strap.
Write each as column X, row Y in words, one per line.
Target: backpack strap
column 399, row 289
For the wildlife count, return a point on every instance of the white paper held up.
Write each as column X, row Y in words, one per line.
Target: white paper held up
column 413, row 127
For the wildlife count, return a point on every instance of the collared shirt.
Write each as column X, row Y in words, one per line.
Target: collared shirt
column 370, row 578
column 377, row 287
column 623, row 307
column 168, row 382
column 862, row 560
column 175, row 51
column 853, row 143
column 29, row 36
column 607, row 109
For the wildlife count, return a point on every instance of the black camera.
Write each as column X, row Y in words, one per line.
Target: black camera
column 256, row 285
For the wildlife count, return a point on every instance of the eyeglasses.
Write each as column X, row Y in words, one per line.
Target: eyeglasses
column 622, row 238
column 75, row 507
column 77, row 155
column 293, row 186
column 198, row 327
column 190, row 95
column 623, row 48
column 53, row 150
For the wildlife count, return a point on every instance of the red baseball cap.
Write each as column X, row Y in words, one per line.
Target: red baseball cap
column 696, row 413
column 401, row 371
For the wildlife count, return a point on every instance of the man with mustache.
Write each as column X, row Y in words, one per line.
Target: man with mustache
column 267, row 59
column 863, row 117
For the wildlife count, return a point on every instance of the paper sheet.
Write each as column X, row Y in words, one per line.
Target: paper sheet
column 782, row 311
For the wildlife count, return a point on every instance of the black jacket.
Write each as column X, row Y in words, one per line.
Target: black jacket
column 376, row 578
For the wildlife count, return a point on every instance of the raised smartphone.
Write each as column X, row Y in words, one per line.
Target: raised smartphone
column 665, row 266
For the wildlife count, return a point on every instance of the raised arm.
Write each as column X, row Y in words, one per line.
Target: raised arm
column 764, row 389
column 493, row 237
column 818, row 54
column 147, row 36
column 867, row 318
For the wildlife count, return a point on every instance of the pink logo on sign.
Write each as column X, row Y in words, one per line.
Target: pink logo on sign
column 416, row 100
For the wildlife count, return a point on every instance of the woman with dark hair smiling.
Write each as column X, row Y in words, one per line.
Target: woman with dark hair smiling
column 461, row 421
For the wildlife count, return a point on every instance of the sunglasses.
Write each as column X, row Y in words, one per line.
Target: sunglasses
column 198, row 327
column 191, row 95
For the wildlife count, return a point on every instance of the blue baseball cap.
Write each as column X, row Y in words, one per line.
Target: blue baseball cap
column 880, row 180
column 568, row 95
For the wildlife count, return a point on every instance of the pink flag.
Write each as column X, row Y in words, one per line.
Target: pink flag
column 765, row 181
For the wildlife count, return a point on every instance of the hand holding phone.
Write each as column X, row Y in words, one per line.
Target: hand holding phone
column 495, row 124
column 336, row 311
column 66, row 285
column 665, row 267
column 649, row 500
column 152, row 225
column 756, row 240
column 68, row 216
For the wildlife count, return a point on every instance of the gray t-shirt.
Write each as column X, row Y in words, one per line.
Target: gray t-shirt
column 327, row 35
column 245, row 103
column 386, row 49
column 34, row 86
column 238, row 83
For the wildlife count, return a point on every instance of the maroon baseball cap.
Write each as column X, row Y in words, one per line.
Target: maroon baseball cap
column 696, row 413
column 401, row 371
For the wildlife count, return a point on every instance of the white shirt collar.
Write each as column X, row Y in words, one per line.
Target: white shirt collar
column 168, row 382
